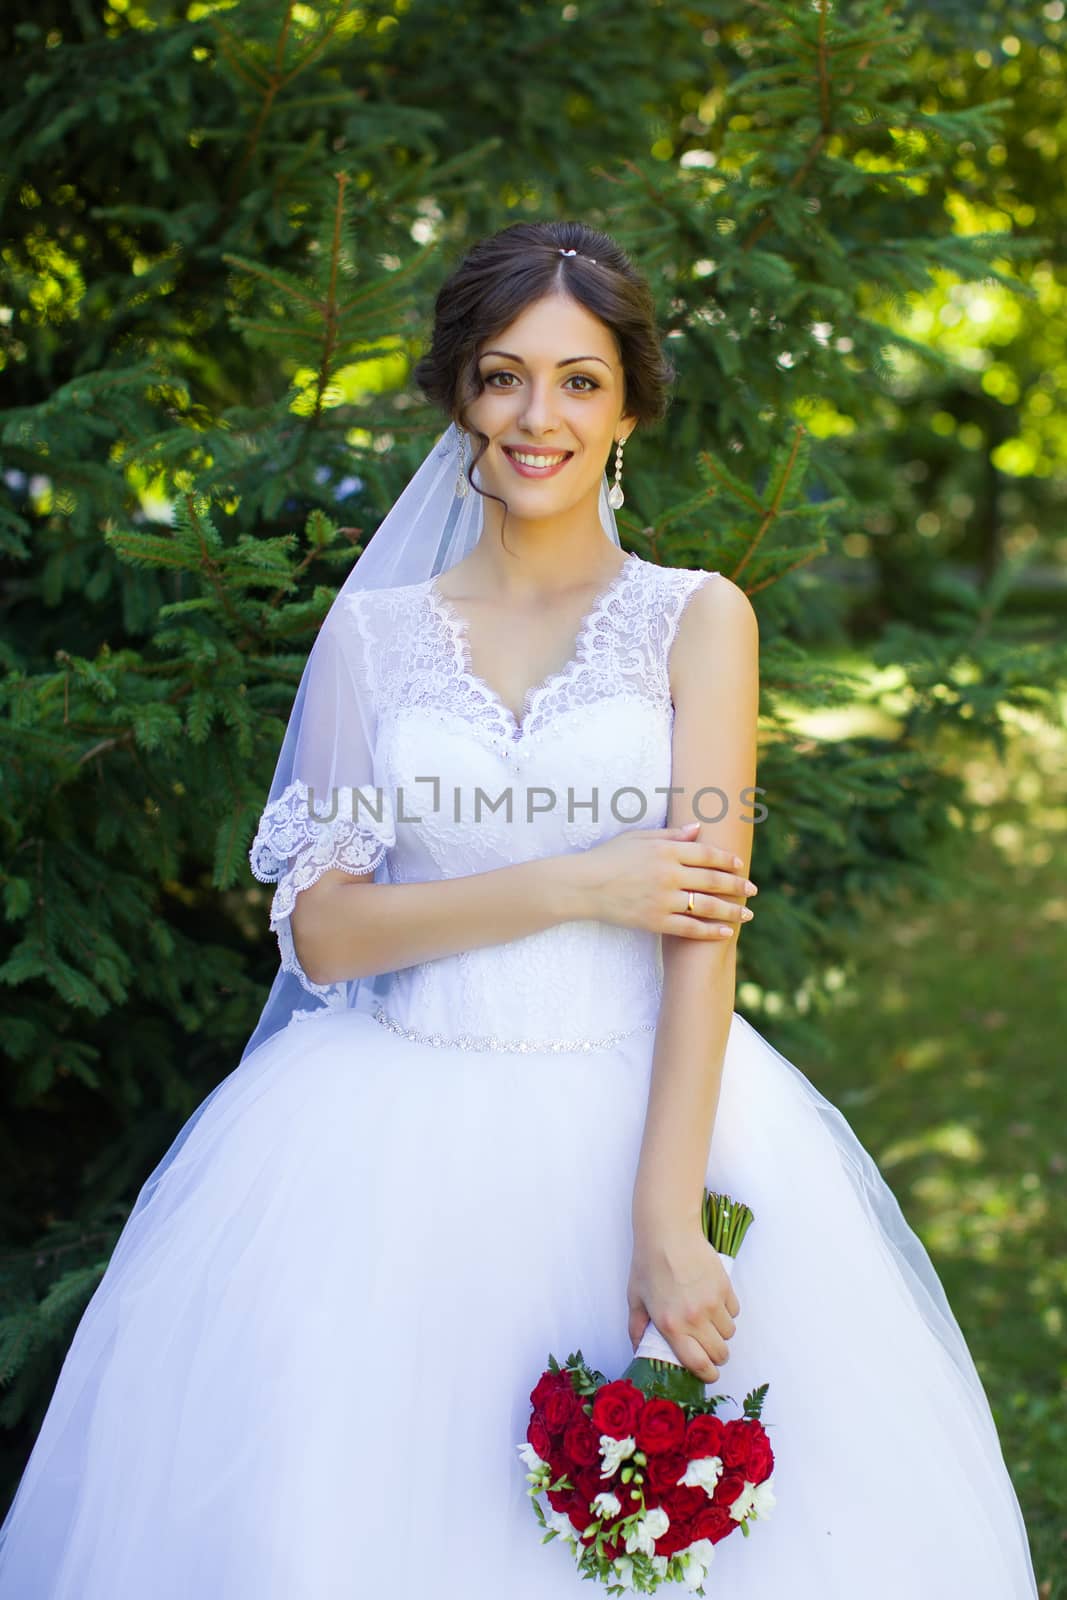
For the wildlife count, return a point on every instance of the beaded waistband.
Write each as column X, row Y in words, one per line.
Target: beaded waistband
column 469, row 1041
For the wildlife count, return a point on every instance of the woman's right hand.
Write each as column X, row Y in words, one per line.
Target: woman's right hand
column 642, row 877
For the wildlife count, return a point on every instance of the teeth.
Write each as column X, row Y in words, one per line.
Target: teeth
column 537, row 461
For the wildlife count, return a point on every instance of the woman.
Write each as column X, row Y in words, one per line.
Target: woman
column 497, row 1069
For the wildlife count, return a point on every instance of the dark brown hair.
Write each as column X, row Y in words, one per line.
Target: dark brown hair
column 503, row 274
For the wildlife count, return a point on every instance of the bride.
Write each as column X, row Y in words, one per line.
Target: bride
column 511, row 827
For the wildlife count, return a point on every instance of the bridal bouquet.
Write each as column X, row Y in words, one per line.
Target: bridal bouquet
column 642, row 1478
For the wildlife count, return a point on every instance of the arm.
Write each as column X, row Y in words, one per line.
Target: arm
column 347, row 926
column 715, row 687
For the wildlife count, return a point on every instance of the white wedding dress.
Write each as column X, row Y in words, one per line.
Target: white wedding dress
column 306, row 1371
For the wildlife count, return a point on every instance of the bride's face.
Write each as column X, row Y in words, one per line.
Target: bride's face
column 553, row 387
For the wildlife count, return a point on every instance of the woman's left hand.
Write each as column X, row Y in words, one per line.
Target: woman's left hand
column 678, row 1281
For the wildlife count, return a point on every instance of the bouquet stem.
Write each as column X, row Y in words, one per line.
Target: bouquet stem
column 655, row 1369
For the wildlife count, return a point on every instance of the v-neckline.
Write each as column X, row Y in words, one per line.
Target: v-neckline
column 458, row 627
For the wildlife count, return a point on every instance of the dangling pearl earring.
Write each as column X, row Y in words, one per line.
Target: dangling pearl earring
column 462, row 483
column 616, row 498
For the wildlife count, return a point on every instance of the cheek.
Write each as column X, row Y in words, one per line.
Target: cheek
column 492, row 411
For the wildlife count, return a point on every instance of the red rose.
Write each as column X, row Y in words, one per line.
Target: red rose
column 728, row 1488
column 665, row 1470
column 558, row 1462
column 560, row 1409
column 590, row 1483
column 559, row 1499
column 735, row 1444
column 760, row 1463
column 703, row 1437
column 548, row 1383
column 537, row 1435
column 660, row 1427
column 677, row 1536
column 616, row 1408
column 713, row 1523
column 579, row 1512
column 683, row 1504
column 582, row 1442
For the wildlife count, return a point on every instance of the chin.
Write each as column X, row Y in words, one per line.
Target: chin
column 552, row 493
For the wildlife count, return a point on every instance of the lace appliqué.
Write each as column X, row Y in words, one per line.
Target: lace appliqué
column 621, row 651
column 483, row 701
column 295, row 845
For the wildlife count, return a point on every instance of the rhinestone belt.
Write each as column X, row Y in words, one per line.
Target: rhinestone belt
column 470, row 1041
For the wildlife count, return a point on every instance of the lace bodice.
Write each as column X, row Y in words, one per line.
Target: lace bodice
column 469, row 788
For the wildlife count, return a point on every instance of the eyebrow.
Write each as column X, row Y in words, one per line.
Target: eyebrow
column 569, row 362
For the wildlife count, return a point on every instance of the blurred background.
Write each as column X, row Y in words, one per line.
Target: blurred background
column 222, row 227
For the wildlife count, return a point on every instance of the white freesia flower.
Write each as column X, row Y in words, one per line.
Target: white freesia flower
column 764, row 1501
column 606, row 1504
column 703, row 1474
column 698, row 1558
column 559, row 1522
column 702, row 1550
column 624, row 1571
column 659, row 1566
column 744, row 1502
column 643, row 1535
column 613, row 1452
column 530, row 1457
column 755, row 1500
column 695, row 1576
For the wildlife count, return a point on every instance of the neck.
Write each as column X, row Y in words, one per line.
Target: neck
column 542, row 556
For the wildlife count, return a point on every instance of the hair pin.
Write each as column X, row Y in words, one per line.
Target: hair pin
column 574, row 253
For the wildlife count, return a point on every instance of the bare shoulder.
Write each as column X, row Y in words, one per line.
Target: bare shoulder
column 718, row 631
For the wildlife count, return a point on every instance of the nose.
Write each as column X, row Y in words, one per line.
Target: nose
column 539, row 410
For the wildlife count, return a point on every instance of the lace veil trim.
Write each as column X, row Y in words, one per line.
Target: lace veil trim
column 297, row 842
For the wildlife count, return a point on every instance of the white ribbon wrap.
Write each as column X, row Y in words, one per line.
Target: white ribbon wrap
column 653, row 1345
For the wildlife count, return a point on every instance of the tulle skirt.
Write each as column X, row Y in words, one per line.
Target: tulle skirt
column 306, row 1371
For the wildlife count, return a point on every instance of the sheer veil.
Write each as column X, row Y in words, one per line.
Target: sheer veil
column 325, row 808
column 326, row 762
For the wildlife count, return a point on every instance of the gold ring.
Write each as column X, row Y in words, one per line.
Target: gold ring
column 690, row 902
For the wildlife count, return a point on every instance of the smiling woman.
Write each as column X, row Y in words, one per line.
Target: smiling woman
column 545, row 350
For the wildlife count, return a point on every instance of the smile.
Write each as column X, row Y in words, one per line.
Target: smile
column 536, row 463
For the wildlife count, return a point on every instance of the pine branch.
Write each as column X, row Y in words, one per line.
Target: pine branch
column 330, row 310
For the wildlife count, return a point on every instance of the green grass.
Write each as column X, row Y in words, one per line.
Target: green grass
column 946, row 1054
